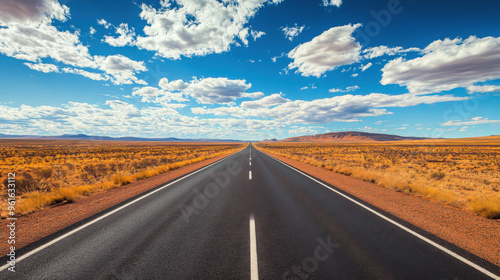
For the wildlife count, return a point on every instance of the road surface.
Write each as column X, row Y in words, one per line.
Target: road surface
column 247, row 216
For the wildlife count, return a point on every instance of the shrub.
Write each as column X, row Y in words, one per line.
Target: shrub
column 44, row 173
column 24, row 183
column 112, row 167
column 41, row 177
column 437, row 175
column 91, row 171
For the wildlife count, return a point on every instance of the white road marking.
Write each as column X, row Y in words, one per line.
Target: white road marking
column 254, row 265
column 250, row 175
column 34, row 251
column 449, row 252
column 250, row 163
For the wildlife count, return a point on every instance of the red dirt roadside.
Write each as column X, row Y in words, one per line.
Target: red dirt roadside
column 32, row 227
column 471, row 232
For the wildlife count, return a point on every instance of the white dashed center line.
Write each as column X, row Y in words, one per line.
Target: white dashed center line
column 254, row 266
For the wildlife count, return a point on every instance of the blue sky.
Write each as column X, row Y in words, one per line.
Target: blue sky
column 249, row 69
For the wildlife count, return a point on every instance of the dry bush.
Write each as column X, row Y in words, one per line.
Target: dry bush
column 36, row 180
column 91, row 172
column 437, row 175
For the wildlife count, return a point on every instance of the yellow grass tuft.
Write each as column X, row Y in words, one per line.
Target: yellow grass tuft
column 33, row 201
column 120, row 180
column 488, row 207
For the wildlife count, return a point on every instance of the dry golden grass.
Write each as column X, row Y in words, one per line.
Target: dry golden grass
column 462, row 173
column 488, row 207
column 53, row 172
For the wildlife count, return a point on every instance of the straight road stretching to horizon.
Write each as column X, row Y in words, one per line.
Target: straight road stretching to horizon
column 248, row 216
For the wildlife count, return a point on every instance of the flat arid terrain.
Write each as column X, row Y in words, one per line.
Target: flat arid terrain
column 51, row 172
column 110, row 205
column 464, row 173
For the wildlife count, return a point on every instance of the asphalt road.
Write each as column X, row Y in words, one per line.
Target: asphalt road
column 248, row 216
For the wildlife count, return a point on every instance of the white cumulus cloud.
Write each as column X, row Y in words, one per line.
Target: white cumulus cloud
column 265, row 102
column 196, row 28
column 155, row 95
column 122, row 68
column 173, row 85
column 483, row 88
column 43, row 67
column 257, row 34
column 378, row 51
column 31, row 11
column 345, row 108
column 473, row 121
column 327, row 51
column 366, row 66
column 28, row 34
column 104, row 23
column 87, row 74
column 219, row 90
column 347, row 89
column 204, row 90
column 126, row 36
column 447, row 64
column 336, row 3
column 292, row 32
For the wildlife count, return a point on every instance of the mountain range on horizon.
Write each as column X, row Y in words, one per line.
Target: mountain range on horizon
column 344, row 136
column 109, row 138
column 350, row 136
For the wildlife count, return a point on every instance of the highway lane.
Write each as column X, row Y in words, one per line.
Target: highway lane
column 245, row 217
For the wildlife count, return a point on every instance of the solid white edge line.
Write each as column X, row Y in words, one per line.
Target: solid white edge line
column 449, row 252
column 254, row 265
column 250, row 175
column 34, row 251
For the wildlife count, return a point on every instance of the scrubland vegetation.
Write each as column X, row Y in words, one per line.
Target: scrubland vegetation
column 52, row 172
column 464, row 174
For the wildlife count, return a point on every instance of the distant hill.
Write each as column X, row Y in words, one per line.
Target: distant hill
column 350, row 136
column 108, row 138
